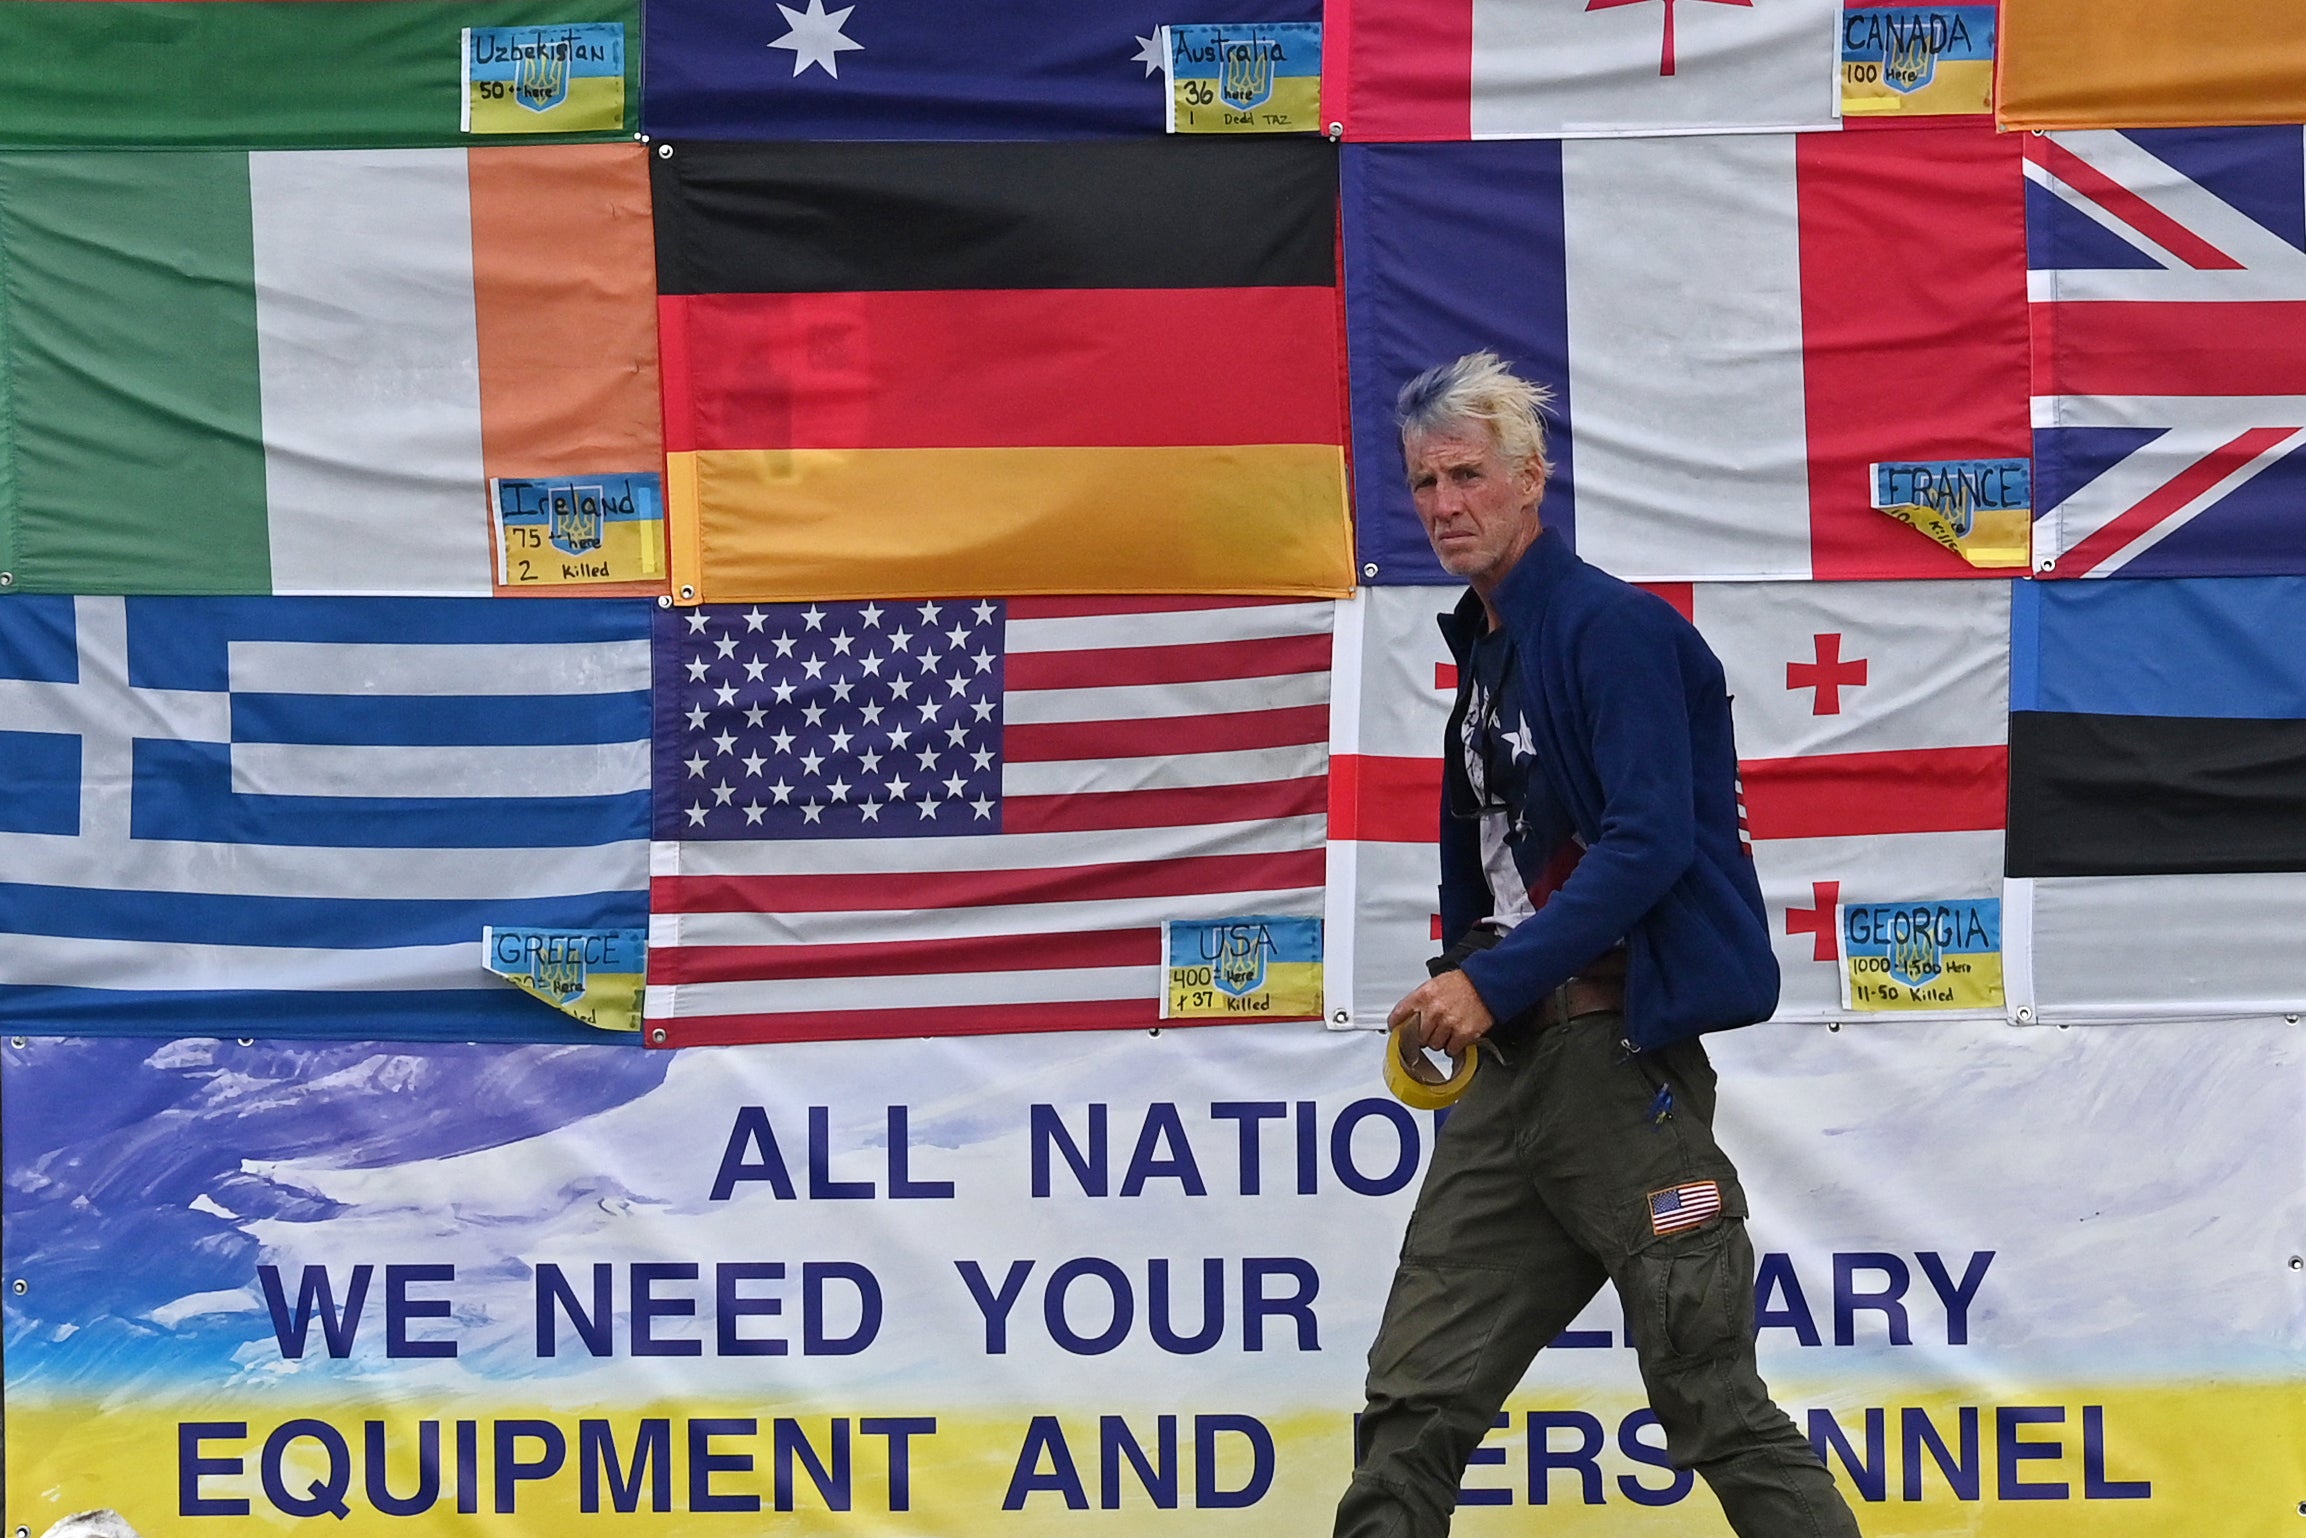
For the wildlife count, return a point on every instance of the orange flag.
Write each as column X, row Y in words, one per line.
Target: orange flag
column 2150, row 63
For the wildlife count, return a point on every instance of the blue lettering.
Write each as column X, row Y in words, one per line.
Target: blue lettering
column 752, row 1133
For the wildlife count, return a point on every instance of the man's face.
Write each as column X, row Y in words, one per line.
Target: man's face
column 1479, row 512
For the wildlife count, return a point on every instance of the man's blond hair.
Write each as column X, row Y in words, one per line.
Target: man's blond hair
column 1478, row 390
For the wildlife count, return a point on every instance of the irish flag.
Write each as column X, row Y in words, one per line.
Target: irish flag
column 297, row 372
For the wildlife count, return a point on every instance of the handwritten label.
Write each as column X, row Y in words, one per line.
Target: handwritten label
column 1262, row 78
column 1241, row 969
column 1918, row 60
column 1981, row 509
column 1921, row 954
column 593, row 975
column 578, row 529
column 544, row 80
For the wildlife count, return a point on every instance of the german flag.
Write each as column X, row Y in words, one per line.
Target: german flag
column 903, row 370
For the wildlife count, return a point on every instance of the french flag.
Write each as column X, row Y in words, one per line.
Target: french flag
column 1738, row 328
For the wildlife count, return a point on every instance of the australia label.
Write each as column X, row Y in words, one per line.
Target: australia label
column 1260, row 78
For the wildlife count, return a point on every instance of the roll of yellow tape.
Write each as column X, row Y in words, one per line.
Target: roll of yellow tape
column 1410, row 1074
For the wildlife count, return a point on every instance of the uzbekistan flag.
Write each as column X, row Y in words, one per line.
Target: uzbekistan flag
column 2158, row 795
column 1741, row 330
column 2150, row 63
column 1872, row 723
column 296, row 372
column 910, row 369
column 283, row 74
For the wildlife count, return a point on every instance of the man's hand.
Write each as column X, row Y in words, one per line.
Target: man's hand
column 1451, row 1016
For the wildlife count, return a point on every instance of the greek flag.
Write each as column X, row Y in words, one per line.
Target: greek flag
column 296, row 815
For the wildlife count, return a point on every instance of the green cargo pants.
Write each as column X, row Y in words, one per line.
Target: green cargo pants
column 1539, row 1191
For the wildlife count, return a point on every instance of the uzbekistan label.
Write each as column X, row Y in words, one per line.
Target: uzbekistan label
column 1249, row 79
column 1228, row 969
column 544, row 80
column 1918, row 60
column 593, row 975
column 1981, row 509
column 579, row 528
column 1922, row 954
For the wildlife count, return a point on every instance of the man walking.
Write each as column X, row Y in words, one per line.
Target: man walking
column 1600, row 912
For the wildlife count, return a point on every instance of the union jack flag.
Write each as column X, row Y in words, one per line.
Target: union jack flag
column 2168, row 288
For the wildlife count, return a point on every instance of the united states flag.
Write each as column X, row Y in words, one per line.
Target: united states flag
column 970, row 815
column 2168, row 290
column 250, row 815
column 1684, row 1206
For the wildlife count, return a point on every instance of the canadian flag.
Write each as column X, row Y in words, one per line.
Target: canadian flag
column 1491, row 69
column 1873, row 736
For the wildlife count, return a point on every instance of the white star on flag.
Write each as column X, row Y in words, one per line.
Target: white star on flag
column 1148, row 52
column 815, row 38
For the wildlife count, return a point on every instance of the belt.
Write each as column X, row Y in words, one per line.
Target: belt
column 1581, row 996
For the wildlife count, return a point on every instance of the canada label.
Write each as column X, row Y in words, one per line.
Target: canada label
column 1921, row 954
column 1262, row 78
column 571, row 530
column 1250, row 968
column 544, row 80
column 1917, row 61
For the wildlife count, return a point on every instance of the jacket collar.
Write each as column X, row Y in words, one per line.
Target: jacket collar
column 1521, row 597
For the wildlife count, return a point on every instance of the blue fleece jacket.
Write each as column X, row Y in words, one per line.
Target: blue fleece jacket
column 1631, row 725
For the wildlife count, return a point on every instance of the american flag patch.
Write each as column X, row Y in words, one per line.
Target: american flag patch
column 1678, row 1207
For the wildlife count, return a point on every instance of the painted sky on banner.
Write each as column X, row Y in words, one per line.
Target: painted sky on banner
column 1887, row 1220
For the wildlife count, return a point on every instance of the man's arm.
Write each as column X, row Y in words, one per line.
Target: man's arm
column 1630, row 678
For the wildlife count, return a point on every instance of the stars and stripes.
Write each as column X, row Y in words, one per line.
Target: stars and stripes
column 1684, row 1206
column 2168, row 291
column 968, row 814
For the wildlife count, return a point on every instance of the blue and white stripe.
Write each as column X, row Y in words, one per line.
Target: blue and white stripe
column 300, row 813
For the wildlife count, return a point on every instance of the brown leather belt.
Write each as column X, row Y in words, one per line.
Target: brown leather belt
column 1582, row 996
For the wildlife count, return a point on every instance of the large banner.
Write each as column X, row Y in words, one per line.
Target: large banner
column 1117, row 1283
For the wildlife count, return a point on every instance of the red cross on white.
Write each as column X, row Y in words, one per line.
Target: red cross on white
column 1828, row 674
column 1818, row 920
